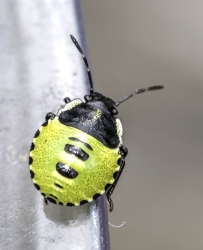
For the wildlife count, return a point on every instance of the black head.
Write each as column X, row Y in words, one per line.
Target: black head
column 102, row 102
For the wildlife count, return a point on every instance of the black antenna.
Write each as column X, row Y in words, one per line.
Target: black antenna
column 86, row 62
column 139, row 91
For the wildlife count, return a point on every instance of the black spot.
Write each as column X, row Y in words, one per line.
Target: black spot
column 96, row 196
column 83, row 202
column 70, row 204
column 58, row 185
column 51, row 200
column 121, row 162
column 37, row 133
column 78, row 152
column 118, row 161
column 107, row 187
column 43, row 194
column 32, row 146
column 115, row 174
column 37, row 186
column 32, row 174
column 60, row 203
column 66, row 171
column 53, row 196
column 45, row 124
column 86, row 144
column 30, row 160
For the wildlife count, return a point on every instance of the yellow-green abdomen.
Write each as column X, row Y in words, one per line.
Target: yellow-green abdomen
column 77, row 152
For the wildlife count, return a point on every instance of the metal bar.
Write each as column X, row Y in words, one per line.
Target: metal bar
column 39, row 66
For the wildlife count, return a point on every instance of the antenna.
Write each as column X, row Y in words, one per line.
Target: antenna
column 85, row 61
column 139, row 91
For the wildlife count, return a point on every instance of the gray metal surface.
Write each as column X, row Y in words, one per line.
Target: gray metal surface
column 39, row 66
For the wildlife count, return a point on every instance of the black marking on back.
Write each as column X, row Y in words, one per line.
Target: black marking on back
column 96, row 196
column 45, row 124
column 51, row 200
column 83, row 202
column 70, row 204
column 53, row 196
column 37, row 186
column 32, row 174
column 30, row 160
column 115, row 174
column 78, row 152
column 56, row 184
column 86, row 144
column 37, row 134
column 121, row 162
column 60, row 203
column 66, row 171
column 107, row 187
column 32, row 146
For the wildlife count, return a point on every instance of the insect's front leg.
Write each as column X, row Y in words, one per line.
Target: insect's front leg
column 121, row 162
column 50, row 115
column 46, row 201
column 67, row 100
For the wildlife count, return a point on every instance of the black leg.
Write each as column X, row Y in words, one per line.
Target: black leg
column 67, row 99
column 111, row 206
column 123, row 151
column 46, row 201
column 121, row 162
column 50, row 115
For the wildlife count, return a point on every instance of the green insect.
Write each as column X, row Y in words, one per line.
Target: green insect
column 78, row 153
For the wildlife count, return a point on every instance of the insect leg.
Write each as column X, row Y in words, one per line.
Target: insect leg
column 124, row 152
column 50, row 115
column 46, row 201
column 67, row 99
column 111, row 206
column 112, row 187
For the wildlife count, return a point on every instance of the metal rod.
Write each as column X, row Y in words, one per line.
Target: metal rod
column 39, row 66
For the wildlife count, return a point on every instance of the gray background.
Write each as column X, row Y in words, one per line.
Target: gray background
column 137, row 44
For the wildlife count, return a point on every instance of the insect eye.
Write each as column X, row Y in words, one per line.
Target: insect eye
column 114, row 111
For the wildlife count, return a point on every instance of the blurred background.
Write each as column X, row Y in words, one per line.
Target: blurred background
column 135, row 44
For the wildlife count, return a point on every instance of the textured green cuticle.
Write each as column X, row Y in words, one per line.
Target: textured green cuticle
column 93, row 174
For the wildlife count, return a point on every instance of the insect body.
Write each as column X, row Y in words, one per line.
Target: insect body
column 78, row 154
